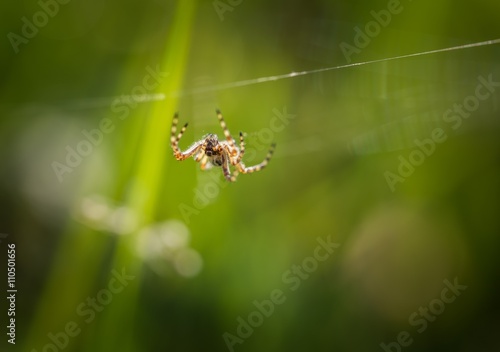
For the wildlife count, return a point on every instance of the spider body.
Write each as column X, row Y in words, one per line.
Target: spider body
column 214, row 151
column 212, row 148
column 209, row 151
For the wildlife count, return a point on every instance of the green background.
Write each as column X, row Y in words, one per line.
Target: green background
column 200, row 250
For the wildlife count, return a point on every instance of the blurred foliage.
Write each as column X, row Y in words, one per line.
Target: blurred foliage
column 198, row 251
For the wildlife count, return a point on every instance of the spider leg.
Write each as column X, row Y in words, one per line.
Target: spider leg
column 242, row 149
column 205, row 164
column 174, row 141
column 198, row 146
column 247, row 170
column 234, row 175
column 227, row 134
column 200, row 155
column 225, row 167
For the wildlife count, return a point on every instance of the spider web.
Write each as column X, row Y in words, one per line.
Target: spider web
column 367, row 140
column 147, row 98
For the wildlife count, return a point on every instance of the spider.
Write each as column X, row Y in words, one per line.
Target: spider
column 209, row 151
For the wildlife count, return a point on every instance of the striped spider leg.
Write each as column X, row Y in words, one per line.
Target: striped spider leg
column 240, row 166
column 174, row 142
